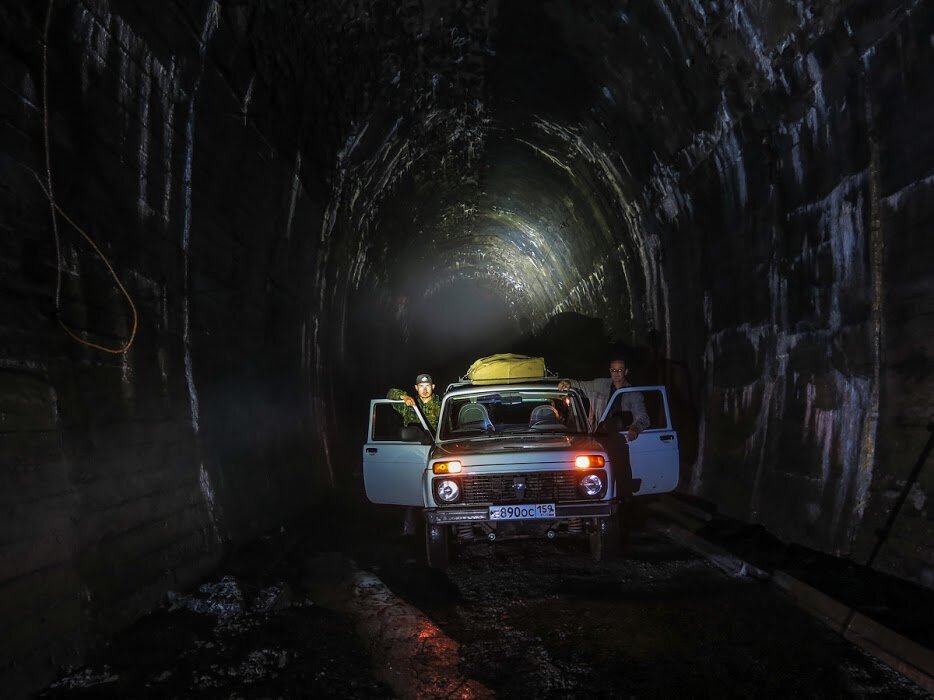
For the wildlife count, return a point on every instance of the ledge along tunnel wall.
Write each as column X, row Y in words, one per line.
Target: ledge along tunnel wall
column 308, row 205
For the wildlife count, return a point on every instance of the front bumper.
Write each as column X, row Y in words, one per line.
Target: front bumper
column 481, row 514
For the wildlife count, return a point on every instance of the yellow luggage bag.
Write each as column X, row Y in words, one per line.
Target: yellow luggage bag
column 506, row 368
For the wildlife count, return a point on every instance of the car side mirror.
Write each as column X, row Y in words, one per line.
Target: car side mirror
column 415, row 433
column 618, row 422
column 625, row 420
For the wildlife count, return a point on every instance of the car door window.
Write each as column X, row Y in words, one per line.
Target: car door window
column 624, row 402
column 387, row 423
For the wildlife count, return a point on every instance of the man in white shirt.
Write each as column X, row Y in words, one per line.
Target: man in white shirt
column 599, row 390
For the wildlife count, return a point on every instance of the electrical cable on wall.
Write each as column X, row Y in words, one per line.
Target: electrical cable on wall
column 126, row 346
column 53, row 207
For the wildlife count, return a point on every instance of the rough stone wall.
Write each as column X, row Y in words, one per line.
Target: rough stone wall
column 124, row 475
column 814, row 214
column 902, row 244
column 770, row 183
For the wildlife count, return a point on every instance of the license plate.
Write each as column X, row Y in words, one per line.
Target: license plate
column 531, row 511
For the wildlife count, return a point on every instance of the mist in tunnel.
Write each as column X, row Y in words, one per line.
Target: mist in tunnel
column 525, row 210
column 311, row 204
column 472, row 276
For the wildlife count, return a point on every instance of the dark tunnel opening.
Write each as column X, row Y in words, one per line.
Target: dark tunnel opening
column 310, row 205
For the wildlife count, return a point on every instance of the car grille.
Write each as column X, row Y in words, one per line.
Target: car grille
column 550, row 487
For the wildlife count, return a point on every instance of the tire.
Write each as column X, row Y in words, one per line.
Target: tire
column 604, row 539
column 437, row 550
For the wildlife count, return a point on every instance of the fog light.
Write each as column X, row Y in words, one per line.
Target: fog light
column 448, row 490
column 591, row 485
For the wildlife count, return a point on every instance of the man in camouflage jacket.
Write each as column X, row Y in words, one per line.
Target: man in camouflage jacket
column 429, row 404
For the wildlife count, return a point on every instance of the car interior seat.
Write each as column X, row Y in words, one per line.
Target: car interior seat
column 544, row 414
column 474, row 415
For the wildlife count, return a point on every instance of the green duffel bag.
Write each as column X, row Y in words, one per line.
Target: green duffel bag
column 505, row 368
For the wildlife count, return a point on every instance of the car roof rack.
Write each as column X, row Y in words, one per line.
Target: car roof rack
column 464, row 382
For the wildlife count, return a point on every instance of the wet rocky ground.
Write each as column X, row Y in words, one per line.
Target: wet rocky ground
column 524, row 619
column 538, row 619
column 249, row 632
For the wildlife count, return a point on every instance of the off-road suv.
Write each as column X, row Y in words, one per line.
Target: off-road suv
column 518, row 459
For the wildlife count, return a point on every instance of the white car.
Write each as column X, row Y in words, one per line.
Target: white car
column 517, row 459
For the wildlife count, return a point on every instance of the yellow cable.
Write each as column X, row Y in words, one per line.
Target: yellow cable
column 48, row 163
column 55, row 207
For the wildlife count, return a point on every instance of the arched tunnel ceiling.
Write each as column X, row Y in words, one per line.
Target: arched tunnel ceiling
column 534, row 150
column 509, row 145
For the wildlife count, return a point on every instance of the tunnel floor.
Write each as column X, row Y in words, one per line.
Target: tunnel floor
column 257, row 627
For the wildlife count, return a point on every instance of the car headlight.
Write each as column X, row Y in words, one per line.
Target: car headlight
column 452, row 467
column 447, row 490
column 591, row 485
column 589, row 461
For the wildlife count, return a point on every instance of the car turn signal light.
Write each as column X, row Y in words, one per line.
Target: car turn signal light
column 452, row 467
column 589, row 461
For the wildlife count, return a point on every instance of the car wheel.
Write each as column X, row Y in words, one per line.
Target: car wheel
column 437, row 551
column 604, row 539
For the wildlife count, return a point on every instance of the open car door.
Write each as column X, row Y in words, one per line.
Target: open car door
column 653, row 455
column 394, row 457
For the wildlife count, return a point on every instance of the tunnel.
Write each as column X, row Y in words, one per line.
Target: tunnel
column 229, row 224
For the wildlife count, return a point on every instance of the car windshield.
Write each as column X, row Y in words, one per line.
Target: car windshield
column 500, row 412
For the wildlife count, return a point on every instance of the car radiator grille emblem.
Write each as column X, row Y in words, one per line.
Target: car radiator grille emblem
column 518, row 485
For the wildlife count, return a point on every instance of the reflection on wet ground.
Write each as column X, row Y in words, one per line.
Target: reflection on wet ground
column 295, row 618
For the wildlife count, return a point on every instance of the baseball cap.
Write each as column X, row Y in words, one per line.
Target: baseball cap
column 423, row 379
